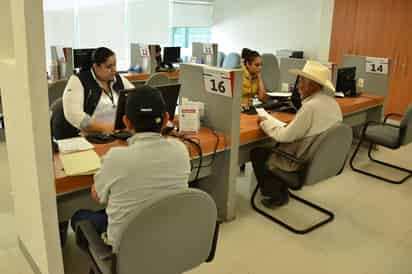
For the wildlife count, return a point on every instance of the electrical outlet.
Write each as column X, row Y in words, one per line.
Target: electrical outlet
column 361, row 82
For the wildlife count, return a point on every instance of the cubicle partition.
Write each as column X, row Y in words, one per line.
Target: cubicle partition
column 287, row 64
column 143, row 56
column 373, row 83
column 223, row 115
column 205, row 53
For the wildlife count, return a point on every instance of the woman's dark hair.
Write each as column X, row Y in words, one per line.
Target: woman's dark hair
column 250, row 56
column 245, row 52
column 100, row 55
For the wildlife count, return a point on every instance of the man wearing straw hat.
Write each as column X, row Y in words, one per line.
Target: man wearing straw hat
column 318, row 113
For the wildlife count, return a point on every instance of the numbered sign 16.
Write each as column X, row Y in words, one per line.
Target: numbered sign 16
column 377, row 65
column 218, row 82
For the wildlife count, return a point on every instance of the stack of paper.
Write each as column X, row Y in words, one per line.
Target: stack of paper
column 261, row 112
column 80, row 163
column 74, row 144
column 279, row 94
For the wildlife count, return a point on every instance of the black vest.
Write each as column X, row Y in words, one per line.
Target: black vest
column 92, row 90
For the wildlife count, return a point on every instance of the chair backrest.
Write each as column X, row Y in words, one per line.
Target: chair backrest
column 328, row 153
column 406, row 126
column 56, row 90
column 60, row 127
column 231, row 61
column 220, row 58
column 171, row 234
column 158, row 79
column 270, row 72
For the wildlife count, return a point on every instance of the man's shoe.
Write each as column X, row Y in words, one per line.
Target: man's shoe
column 273, row 203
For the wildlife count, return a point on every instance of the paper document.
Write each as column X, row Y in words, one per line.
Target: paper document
column 73, row 145
column 263, row 113
column 80, row 163
column 279, row 94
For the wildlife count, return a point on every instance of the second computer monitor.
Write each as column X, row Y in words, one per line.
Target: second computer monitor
column 346, row 81
column 171, row 55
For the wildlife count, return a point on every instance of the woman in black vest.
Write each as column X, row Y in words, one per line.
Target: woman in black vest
column 90, row 98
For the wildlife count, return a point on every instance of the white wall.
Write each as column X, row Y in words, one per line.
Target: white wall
column 269, row 25
column 24, row 96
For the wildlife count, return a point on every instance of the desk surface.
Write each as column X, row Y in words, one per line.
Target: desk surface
column 66, row 183
column 250, row 131
column 144, row 76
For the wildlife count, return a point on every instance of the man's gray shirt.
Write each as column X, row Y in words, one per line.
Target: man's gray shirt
column 132, row 175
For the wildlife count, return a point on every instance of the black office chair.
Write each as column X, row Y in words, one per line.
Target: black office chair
column 55, row 90
column 171, row 234
column 387, row 135
column 323, row 160
column 60, row 127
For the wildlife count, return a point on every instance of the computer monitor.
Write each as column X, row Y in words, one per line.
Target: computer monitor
column 82, row 58
column 346, row 81
column 170, row 93
column 171, row 55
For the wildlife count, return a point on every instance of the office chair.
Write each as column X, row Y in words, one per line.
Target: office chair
column 158, row 79
column 270, row 72
column 60, row 127
column 55, row 90
column 387, row 135
column 173, row 233
column 220, row 58
column 324, row 159
column 231, row 61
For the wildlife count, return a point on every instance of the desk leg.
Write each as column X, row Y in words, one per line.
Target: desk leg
column 221, row 185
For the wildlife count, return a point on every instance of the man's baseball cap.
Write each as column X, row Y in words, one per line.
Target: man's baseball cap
column 145, row 107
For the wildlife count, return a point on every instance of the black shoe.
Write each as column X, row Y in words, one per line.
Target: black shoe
column 272, row 202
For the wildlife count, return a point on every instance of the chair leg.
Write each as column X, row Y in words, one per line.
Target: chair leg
column 330, row 215
column 388, row 180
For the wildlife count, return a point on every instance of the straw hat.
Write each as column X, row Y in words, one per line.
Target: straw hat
column 316, row 72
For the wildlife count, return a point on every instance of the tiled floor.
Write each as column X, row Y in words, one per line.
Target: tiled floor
column 372, row 231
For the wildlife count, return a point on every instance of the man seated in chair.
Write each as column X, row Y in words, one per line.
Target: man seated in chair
column 132, row 175
column 318, row 113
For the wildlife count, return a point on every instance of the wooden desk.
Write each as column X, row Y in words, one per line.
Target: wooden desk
column 173, row 75
column 356, row 111
column 66, row 184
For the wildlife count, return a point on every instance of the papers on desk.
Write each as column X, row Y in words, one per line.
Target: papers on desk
column 263, row 113
column 80, row 163
column 73, row 144
column 279, row 94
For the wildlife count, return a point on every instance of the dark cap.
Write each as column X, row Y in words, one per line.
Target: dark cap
column 145, row 105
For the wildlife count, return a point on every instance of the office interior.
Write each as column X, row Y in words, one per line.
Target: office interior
column 370, row 232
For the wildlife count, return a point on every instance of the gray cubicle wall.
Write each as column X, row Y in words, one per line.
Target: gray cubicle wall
column 373, row 83
column 223, row 115
column 197, row 51
column 287, row 64
column 148, row 64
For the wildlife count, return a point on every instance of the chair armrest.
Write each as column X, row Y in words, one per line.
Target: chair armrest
column 88, row 239
column 392, row 114
column 214, row 243
column 378, row 124
column 287, row 155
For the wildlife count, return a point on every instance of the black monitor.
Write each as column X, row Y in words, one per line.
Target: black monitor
column 346, row 81
column 82, row 58
column 170, row 94
column 171, row 55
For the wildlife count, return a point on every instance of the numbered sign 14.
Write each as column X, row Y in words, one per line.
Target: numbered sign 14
column 144, row 52
column 219, row 82
column 377, row 65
